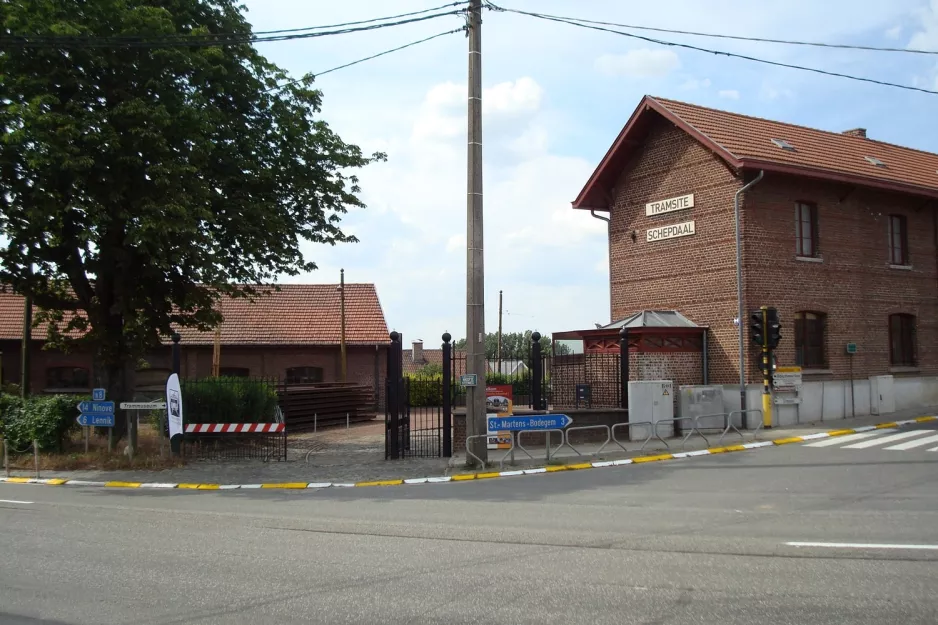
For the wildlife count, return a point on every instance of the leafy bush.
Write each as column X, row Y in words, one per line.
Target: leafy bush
column 228, row 400
column 45, row 418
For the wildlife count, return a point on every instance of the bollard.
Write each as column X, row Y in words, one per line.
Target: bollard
column 315, row 422
column 36, row 457
column 6, row 458
column 346, row 420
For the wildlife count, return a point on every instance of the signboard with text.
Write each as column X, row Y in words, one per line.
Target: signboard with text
column 499, row 402
column 669, row 205
column 671, row 231
column 786, row 378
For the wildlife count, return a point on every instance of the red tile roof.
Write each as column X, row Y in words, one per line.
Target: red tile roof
column 745, row 142
column 300, row 314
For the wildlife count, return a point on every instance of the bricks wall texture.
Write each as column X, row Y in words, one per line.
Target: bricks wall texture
column 695, row 275
column 363, row 362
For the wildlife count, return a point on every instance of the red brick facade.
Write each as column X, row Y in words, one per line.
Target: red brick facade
column 852, row 281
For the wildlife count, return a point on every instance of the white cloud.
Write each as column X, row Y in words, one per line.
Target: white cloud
column 927, row 37
column 640, row 63
column 695, row 83
column 729, row 94
column 522, row 95
column 894, row 32
column 771, row 92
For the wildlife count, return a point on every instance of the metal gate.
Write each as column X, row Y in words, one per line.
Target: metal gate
column 418, row 410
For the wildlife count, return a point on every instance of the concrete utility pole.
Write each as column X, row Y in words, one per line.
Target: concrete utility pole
column 344, row 359
column 498, row 354
column 475, row 271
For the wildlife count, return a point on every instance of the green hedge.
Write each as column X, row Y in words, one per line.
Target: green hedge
column 427, row 390
column 228, row 400
column 47, row 419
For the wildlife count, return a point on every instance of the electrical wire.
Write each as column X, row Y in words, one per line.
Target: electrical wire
column 789, row 42
column 41, row 41
column 367, row 58
column 662, row 42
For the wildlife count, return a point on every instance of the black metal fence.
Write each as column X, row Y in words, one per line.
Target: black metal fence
column 221, row 446
column 592, row 380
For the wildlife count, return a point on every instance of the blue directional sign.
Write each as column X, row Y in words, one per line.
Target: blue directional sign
column 96, row 420
column 529, row 422
column 96, row 407
column 98, row 394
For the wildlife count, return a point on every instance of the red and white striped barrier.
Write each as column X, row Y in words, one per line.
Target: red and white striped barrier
column 234, row 428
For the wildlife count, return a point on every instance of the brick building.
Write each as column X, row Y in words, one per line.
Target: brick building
column 840, row 234
column 292, row 335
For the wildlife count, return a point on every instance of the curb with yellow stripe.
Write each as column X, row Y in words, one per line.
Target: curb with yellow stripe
column 465, row 477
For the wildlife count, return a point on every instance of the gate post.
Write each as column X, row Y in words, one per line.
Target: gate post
column 624, row 368
column 537, row 371
column 447, row 396
column 392, row 425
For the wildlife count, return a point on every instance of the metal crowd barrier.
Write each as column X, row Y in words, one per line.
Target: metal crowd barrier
column 516, row 438
column 588, row 427
column 694, row 428
column 652, row 433
column 742, row 418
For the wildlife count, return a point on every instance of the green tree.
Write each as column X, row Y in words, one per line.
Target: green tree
column 140, row 184
column 515, row 345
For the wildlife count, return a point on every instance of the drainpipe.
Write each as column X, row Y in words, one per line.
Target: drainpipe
column 593, row 213
column 739, row 298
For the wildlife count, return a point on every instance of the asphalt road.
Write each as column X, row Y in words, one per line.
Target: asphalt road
column 695, row 541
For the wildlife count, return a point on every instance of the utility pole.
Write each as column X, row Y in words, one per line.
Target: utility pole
column 216, row 347
column 344, row 362
column 475, row 271
column 25, row 364
column 498, row 354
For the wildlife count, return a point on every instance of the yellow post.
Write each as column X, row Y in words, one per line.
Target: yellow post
column 766, row 374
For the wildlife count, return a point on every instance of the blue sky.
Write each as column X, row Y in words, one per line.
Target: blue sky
column 555, row 96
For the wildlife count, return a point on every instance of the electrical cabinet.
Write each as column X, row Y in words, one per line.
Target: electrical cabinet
column 652, row 400
column 882, row 394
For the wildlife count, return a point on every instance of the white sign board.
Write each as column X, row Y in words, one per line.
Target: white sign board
column 787, row 378
column 670, row 232
column 670, row 205
column 143, row 405
column 174, row 404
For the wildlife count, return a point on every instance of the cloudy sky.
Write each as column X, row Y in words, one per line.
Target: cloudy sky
column 555, row 96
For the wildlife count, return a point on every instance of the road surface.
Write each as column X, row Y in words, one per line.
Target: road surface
column 793, row 534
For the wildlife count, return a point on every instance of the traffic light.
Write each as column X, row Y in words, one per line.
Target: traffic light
column 773, row 327
column 757, row 327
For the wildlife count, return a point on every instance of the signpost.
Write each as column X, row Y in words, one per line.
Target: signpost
column 851, row 351
column 469, row 379
column 143, row 405
column 98, row 394
column 787, row 379
column 529, row 422
column 96, row 407
column 95, row 420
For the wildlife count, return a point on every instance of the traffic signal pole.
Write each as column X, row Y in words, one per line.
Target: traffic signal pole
column 766, row 371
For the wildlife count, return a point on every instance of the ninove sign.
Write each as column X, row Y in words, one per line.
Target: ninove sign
column 671, row 231
column 670, row 205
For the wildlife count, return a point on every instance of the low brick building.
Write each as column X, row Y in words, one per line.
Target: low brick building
column 839, row 234
column 292, row 335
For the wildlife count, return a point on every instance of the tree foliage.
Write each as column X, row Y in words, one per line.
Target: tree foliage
column 515, row 345
column 142, row 184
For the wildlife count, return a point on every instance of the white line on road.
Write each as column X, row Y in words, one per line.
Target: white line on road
column 864, row 546
column 14, row 501
column 838, row 440
column 887, row 439
column 918, row 442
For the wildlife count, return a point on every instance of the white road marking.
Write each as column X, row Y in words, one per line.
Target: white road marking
column 863, row 546
column 15, row 501
column 837, row 440
column 887, row 439
column 918, row 442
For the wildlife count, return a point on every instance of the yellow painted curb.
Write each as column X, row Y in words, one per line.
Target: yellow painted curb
column 736, row 448
column 925, row 419
column 652, row 458
column 463, row 477
column 787, row 441
column 300, row 484
column 556, row 467
column 18, row 480
column 488, row 475
column 56, row 481
column 891, row 424
column 718, row 450
column 582, row 465
column 377, row 483
column 189, row 486
column 208, row 487
column 122, row 484
column 841, row 432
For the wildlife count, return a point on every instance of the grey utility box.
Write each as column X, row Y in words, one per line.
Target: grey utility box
column 652, row 400
column 697, row 401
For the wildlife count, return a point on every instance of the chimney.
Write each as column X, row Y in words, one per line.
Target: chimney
column 417, row 353
column 856, row 132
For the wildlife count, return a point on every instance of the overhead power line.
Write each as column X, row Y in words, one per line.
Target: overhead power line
column 574, row 22
column 173, row 41
column 844, row 46
column 368, row 58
